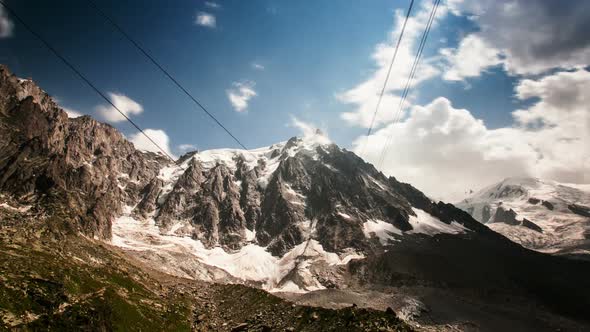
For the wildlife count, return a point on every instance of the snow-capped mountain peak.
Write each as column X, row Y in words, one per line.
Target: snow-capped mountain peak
column 539, row 214
column 289, row 208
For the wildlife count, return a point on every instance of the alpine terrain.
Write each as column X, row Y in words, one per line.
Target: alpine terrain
column 299, row 235
column 541, row 215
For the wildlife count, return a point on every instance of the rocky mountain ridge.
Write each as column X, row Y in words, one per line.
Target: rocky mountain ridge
column 71, row 162
column 291, row 215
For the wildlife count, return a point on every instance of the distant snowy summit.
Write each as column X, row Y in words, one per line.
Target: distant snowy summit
column 538, row 214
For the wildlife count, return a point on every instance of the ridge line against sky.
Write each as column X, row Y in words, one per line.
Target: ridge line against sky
column 483, row 106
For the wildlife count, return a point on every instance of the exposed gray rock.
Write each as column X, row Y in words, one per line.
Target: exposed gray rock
column 533, row 200
column 582, row 210
column 150, row 194
column 531, row 225
column 509, row 217
column 86, row 167
column 505, row 216
column 548, row 205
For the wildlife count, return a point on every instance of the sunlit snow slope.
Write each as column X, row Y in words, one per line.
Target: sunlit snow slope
column 553, row 213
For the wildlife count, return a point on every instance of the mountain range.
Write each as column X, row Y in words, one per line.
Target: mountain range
column 546, row 216
column 300, row 235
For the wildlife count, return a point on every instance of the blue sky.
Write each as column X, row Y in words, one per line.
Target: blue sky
column 310, row 51
column 310, row 55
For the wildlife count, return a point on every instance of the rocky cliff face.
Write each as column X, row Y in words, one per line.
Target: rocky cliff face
column 284, row 194
column 86, row 167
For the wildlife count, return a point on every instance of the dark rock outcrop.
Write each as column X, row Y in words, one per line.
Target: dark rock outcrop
column 509, row 217
column 150, row 194
column 534, row 201
column 581, row 210
column 505, row 216
column 510, row 190
column 531, row 225
column 548, row 205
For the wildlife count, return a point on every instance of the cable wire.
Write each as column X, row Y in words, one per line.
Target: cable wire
column 391, row 66
column 401, row 35
column 82, row 76
column 410, row 79
column 164, row 71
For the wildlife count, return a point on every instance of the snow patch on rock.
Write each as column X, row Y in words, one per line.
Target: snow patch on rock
column 250, row 263
column 424, row 223
column 382, row 230
column 344, row 215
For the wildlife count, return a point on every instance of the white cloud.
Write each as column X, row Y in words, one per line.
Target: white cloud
column 187, row 147
column 559, row 124
column 257, row 66
column 446, row 151
column 212, row 4
column 442, row 151
column 206, row 20
column 531, row 37
column 240, row 94
column 310, row 132
column 561, row 96
column 72, row 113
column 6, row 25
column 470, row 59
column 157, row 135
column 366, row 94
column 125, row 104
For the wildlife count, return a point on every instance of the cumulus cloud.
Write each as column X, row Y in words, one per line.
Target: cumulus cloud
column 446, row 151
column 6, row 24
column 366, row 94
column 309, row 131
column 206, row 19
column 470, row 59
column 240, row 94
column 125, row 104
column 157, row 135
column 443, row 151
column 531, row 37
column 558, row 124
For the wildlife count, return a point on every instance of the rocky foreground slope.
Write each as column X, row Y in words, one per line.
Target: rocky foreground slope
column 541, row 215
column 54, row 281
column 304, row 219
